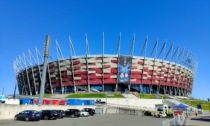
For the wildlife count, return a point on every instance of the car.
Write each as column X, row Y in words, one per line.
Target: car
column 200, row 111
column 61, row 113
column 90, row 110
column 84, row 113
column 49, row 114
column 199, row 107
column 98, row 101
column 28, row 115
column 147, row 113
column 72, row 113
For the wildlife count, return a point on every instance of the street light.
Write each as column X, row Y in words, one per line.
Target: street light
column 106, row 97
column 43, row 79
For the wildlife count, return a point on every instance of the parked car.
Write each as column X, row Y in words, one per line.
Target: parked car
column 98, row 101
column 200, row 111
column 61, row 113
column 90, row 110
column 72, row 113
column 148, row 113
column 28, row 115
column 84, row 113
column 199, row 107
column 49, row 114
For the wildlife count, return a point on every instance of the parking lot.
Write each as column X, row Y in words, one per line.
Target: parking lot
column 96, row 120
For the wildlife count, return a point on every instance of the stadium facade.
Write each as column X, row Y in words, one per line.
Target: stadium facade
column 172, row 74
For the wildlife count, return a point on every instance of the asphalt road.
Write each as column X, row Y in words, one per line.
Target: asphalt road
column 200, row 120
column 96, row 120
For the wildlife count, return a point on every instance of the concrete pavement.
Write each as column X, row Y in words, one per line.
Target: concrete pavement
column 200, row 120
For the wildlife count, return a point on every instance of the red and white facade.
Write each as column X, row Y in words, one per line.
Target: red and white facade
column 174, row 75
column 97, row 71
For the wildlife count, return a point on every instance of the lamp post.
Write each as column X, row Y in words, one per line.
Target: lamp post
column 43, row 79
column 106, row 97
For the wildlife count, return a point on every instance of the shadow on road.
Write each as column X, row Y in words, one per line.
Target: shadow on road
column 202, row 118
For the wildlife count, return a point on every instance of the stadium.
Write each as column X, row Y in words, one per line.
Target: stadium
column 170, row 72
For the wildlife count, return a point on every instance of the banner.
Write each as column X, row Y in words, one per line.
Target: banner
column 124, row 69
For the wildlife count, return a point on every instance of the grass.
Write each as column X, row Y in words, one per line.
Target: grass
column 47, row 95
column 152, row 96
column 94, row 95
column 205, row 105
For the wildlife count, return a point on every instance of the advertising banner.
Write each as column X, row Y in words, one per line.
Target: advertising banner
column 124, row 69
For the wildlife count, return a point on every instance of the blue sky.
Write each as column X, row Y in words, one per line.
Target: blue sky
column 24, row 24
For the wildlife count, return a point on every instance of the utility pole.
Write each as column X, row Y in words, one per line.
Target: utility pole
column 2, row 91
column 14, row 92
column 43, row 79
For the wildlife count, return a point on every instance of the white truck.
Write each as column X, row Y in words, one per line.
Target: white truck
column 161, row 110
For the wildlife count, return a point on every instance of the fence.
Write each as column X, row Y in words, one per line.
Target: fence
column 166, row 122
column 179, row 118
column 118, row 110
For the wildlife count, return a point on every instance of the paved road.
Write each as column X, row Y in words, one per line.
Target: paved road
column 201, row 120
column 97, row 120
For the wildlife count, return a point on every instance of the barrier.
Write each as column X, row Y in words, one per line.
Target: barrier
column 127, row 111
column 179, row 117
column 166, row 122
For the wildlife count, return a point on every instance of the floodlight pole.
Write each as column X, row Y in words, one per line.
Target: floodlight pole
column 2, row 91
column 46, row 54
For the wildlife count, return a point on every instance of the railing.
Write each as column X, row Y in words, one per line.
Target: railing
column 178, row 120
column 166, row 122
column 131, row 106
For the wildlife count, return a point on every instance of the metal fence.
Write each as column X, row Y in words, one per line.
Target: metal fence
column 118, row 110
column 166, row 122
column 178, row 120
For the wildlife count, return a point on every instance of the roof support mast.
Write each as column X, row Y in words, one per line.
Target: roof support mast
column 153, row 69
column 27, row 76
column 168, row 86
column 72, row 67
column 118, row 55
column 25, row 58
column 131, row 53
column 162, row 50
column 59, row 65
column 143, row 51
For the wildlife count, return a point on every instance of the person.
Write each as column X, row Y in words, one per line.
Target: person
column 196, row 112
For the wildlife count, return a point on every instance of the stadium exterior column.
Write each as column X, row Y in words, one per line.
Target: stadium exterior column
column 48, row 69
column 151, row 81
column 160, row 72
column 117, row 73
column 60, row 78
column 72, row 71
column 143, row 51
column 175, row 91
column 87, row 73
column 23, row 86
column 40, row 78
column 153, row 68
column 169, row 67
